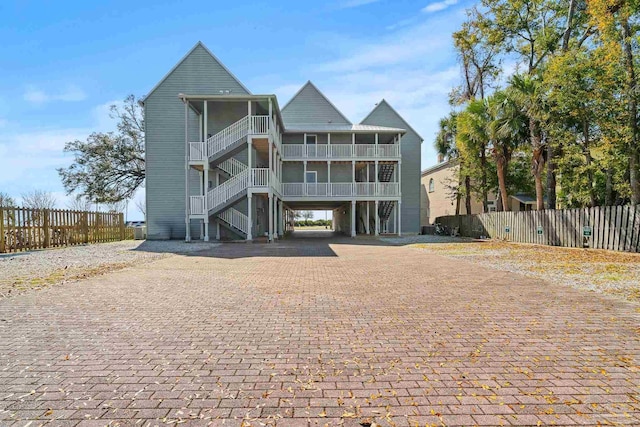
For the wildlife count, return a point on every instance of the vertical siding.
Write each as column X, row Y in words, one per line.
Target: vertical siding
column 384, row 115
column 311, row 106
column 198, row 73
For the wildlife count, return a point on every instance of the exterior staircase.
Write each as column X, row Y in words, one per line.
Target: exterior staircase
column 221, row 198
column 228, row 142
column 385, row 207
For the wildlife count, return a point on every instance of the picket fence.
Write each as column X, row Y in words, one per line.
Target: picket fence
column 606, row 227
column 23, row 229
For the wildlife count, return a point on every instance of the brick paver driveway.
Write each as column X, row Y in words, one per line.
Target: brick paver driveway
column 314, row 333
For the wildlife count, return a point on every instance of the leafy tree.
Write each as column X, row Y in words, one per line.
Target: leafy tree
column 109, row 167
column 445, row 145
column 472, row 140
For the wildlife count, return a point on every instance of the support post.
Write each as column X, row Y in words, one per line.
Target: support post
column 217, row 222
column 206, row 126
column 249, row 216
column 187, row 236
column 2, row 243
column 377, row 217
column 206, row 229
column 368, row 218
column 47, row 234
column 353, row 218
column 280, row 220
column 328, row 144
column 399, row 218
column 270, row 218
column 353, row 177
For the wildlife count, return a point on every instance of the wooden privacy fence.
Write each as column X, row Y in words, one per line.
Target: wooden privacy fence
column 23, row 229
column 606, row 227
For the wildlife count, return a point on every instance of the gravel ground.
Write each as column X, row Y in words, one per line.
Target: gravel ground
column 23, row 271
column 408, row 240
column 606, row 272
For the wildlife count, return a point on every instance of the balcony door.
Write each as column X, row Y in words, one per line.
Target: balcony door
column 312, row 142
column 312, row 183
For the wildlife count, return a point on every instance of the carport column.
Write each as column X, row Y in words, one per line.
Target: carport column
column 353, row 218
column 206, row 210
column 329, row 190
column 368, row 220
column 270, row 219
column 217, row 222
column 399, row 218
column 249, row 216
column 377, row 226
column 187, row 236
column 280, row 219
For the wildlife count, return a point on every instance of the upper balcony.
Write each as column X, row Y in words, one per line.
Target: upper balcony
column 340, row 151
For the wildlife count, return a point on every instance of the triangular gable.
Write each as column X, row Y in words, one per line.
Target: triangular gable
column 385, row 115
column 309, row 105
column 195, row 50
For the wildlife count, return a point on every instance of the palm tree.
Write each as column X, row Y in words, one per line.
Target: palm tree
column 472, row 140
column 527, row 93
column 507, row 130
column 445, row 144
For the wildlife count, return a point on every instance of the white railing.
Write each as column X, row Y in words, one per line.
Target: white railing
column 259, row 177
column 388, row 189
column 388, row 150
column 228, row 189
column 228, row 136
column 196, row 205
column 365, row 188
column 232, row 166
column 236, row 219
column 326, row 151
column 260, row 125
column 196, row 151
column 340, row 189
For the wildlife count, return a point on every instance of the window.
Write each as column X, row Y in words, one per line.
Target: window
column 312, row 177
column 491, row 205
column 432, row 185
column 311, row 139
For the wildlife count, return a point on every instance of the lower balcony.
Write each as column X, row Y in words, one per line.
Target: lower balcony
column 340, row 190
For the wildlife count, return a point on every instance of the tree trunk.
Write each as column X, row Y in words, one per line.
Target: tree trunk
column 467, row 189
column 483, row 166
column 608, row 189
column 587, row 154
column 501, row 166
column 634, row 153
column 551, row 177
column 537, row 162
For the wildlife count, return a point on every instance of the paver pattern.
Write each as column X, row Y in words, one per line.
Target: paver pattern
column 317, row 332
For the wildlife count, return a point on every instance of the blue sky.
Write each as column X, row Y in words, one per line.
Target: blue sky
column 63, row 63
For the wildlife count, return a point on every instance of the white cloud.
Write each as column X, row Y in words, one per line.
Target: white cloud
column 102, row 116
column 439, row 5
column 3, row 122
column 417, row 41
column 37, row 96
column 356, row 3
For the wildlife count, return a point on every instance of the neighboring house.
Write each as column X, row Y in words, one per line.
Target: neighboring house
column 223, row 162
column 438, row 184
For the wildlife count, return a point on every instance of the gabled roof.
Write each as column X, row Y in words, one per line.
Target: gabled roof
column 199, row 44
column 309, row 105
column 385, row 104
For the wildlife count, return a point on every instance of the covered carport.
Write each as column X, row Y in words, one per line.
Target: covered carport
column 340, row 213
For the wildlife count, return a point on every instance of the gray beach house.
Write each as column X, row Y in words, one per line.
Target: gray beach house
column 225, row 163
